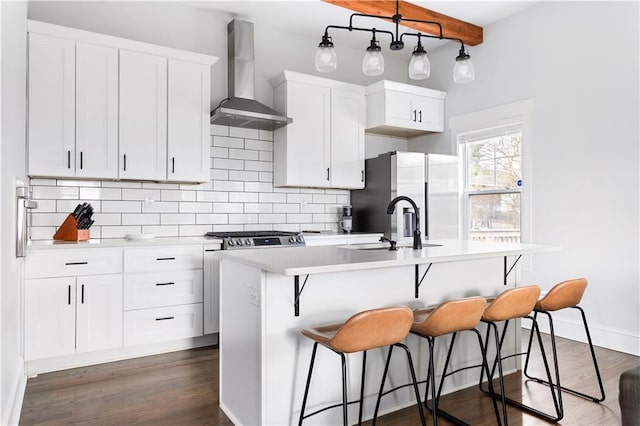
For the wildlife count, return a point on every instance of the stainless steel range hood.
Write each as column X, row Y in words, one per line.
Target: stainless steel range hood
column 241, row 109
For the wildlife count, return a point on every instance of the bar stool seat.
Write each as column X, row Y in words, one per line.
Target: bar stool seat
column 450, row 317
column 364, row 331
column 509, row 305
column 564, row 295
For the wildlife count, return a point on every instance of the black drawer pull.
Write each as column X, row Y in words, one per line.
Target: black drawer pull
column 82, row 297
column 165, row 258
column 165, row 283
column 69, row 296
column 207, row 250
column 164, row 319
column 76, row 263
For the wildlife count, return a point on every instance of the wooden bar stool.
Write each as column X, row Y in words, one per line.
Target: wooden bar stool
column 366, row 330
column 566, row 294
column 450, row 317
column 510, row 305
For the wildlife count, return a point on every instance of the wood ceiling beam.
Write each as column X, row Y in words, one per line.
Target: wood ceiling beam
column 451, row 27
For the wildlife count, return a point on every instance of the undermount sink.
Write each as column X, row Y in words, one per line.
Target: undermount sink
column 385, row 246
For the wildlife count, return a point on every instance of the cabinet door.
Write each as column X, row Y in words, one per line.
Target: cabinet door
column 51, row 110
column 399, row 109
column 308, row 136
column 347, row 139
column 96, row 111
column 143, row 116
column 99, row 312
column 211, row 308
column 429, row 113
column 50, row 316
column 188, row 138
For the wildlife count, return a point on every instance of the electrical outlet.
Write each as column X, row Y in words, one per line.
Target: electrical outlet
column 148, row 200
column 254, row 296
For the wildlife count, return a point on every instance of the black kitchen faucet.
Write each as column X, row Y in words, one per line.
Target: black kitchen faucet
column 417, row 238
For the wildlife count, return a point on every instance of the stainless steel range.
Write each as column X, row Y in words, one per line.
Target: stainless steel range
column 258, row 239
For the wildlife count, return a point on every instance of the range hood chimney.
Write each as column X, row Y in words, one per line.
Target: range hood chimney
column 240, row 109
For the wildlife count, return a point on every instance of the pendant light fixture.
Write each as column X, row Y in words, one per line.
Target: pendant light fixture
column 373, row 62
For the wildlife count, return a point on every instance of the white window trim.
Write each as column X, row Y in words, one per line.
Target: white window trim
column 521, row 111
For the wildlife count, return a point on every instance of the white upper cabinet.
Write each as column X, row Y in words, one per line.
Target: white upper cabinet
column 188, row 140
column 51, row 110
column 96, row 111
column 403, row 110
column 143, row 116
column 324, row 145
column 102, row 107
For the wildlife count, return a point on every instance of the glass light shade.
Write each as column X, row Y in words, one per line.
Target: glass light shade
column 419, row 67
column 326, row 59
column 373, row 63
column 464, row 71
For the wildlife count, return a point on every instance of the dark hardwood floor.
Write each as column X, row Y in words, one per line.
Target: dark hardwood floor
column 181, row 388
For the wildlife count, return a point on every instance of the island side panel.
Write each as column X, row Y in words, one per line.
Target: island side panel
column 240, row 342
column 333, row 297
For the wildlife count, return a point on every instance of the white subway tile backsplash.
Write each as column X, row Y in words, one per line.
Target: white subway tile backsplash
column 178, row 219
column 243, row 218
column 243, row 197
column 54, row 193
column 258, row 208
column 160, row 207
column 222, row 185
column 210, row 218
column 141, row 219
column 272, row 198
column 243, row 176
column 188, row 207
column 121, row 207
column 243, row 154
column 239, row 196
column 258, row 145
column 228, row 142
column 177, row 195
column 223, row 163
column 260, row 166
column 244, row 133
column 101, row 193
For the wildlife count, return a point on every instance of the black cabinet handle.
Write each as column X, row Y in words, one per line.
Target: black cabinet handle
column 173, row 164
column 362, row 176
column 164, row 318
column 124, row 159
column 80, row 160
column 212, row 249
column 165, row 258
column 82, row 295
column 68, row 159
column 414, row 115
column 420, row 116
column 76, row 263
column 327, row 173
column 169, row 283
column 69, row 295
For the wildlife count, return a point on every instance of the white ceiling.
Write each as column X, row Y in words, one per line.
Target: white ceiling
column 310, row 17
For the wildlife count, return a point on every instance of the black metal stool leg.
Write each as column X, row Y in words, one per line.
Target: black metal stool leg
column 306, row 389
column 413, row 379
column 384, row 376
column 364, row 364
column 345, row 417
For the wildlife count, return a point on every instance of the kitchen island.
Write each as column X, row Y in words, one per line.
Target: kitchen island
column 268, row 296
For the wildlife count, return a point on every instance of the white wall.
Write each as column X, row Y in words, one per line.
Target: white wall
column 583, row 80
column 12, row 377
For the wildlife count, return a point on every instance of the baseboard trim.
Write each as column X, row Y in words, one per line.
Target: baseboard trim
column 39, row 366
column 609, row 338
column 17, row 398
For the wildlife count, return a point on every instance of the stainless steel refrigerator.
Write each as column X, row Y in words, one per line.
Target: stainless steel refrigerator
column 431, row 181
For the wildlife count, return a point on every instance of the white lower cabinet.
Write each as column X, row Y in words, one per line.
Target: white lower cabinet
column 211, row 273
column 164, row 305
column 67, row 315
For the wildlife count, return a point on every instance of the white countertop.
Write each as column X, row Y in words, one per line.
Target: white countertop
column 314, row 260
column 120, row 242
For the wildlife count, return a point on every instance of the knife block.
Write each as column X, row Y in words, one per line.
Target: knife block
column 69, row 231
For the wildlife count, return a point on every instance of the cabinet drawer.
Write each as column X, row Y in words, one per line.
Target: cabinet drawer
column 155, row 259
column 75, row 262
column 162, row 289
column 161, row 324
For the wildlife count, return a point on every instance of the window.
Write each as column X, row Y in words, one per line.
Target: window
column 492, row 166
column 494, row 146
